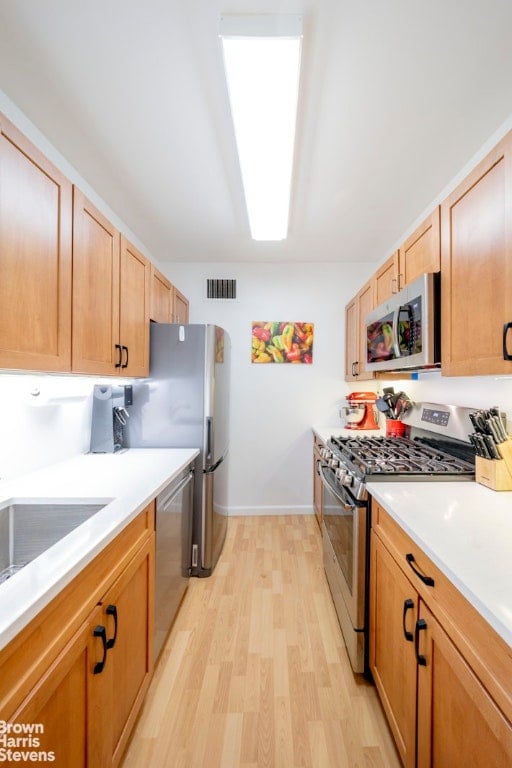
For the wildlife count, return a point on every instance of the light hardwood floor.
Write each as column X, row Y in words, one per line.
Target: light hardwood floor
column 254, row 673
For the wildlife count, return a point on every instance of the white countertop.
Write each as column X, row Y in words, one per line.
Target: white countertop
column 466, row 530
column 127, row 481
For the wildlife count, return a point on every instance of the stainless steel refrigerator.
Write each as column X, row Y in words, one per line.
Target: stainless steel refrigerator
column 185, row 404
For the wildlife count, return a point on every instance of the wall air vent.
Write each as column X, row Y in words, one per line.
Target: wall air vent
column 220, row 289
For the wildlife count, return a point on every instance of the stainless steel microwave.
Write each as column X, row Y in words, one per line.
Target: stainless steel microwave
column 404, row 331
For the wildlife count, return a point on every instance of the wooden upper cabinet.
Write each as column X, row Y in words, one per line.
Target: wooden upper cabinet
column 421, row 252
column 351, row 340
column 161, row 304
column 96, row 246
column 476, row 268
column 180, row 307
column 35, row 257
column 355, row 336
column 386, row 279
column 134, row 310
column 111, row 292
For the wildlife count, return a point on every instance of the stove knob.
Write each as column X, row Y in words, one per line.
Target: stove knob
column 347, row 480
column 325, row 453
column 334, row 463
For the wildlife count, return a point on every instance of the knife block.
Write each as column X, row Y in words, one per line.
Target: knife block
column 496, row 473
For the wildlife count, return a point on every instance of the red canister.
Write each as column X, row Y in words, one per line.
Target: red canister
column 395, row 428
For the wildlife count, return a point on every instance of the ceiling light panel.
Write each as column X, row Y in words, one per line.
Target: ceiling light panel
column 262, row 64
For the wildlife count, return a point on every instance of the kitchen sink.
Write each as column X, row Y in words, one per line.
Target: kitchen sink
column 27, row 529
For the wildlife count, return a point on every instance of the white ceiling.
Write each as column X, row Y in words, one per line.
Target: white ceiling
column 396, row 96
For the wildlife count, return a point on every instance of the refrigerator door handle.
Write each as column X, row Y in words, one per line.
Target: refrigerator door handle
column 209, row 435
column 213, row 467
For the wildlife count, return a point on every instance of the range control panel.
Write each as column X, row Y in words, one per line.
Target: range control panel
column 448, row 420
column 437, row 417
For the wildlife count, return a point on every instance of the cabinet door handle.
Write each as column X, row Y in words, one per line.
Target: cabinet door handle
column 354, row 369
column 408, row 606
column 428, row 580
column 112, row 611
column 120, row 355
column 100, row 631
column 421, row 626
column 506, row 354
column 125, row 364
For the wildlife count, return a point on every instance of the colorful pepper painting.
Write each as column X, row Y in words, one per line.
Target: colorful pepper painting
column 282, row 342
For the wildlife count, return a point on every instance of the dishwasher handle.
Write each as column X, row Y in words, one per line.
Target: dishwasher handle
column 174, row 490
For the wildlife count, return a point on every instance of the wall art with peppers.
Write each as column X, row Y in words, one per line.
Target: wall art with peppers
column 282, row 342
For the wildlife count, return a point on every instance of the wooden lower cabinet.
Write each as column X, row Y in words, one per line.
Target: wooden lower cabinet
column 458, row 722
column 393, row 613
column 131, row 657
column 428, row 662
column 62, row 708
column 318, row 488
column 84, row 703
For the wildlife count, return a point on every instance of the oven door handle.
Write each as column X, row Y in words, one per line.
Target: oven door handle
column 348, row 506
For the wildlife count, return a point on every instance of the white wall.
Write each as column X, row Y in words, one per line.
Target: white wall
column 274, row 406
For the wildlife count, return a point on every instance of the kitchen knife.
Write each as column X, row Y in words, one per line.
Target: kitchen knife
column 500, row 429
column 494, row 430
column 484, row 451
column 491, row 447
column 474, row 444
column 472, row 418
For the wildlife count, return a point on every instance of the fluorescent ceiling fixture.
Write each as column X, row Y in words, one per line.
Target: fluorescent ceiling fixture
column 262, row 62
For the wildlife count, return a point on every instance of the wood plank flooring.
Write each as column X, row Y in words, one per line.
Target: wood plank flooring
column 254, row 673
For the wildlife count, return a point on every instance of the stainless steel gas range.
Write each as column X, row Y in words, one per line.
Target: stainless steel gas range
column 437, row 449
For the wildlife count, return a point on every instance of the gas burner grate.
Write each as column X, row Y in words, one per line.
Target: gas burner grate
column 398, row 456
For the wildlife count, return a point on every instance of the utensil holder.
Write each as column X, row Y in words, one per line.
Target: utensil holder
column 395, row 428
column 496, row 473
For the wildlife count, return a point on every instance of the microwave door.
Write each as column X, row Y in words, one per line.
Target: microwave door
column 394, row 325
column 380, row 339
column 403, row 331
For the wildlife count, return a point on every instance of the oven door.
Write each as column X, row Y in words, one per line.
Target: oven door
column 345, row 538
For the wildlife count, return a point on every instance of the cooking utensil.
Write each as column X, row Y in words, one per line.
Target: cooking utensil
column 382, row 406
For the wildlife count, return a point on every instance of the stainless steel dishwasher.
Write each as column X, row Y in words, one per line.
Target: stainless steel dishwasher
column 173, row 551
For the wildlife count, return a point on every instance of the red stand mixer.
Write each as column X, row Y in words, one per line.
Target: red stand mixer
column 361, row 413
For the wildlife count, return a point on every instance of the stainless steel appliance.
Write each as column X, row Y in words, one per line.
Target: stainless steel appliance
column 109, row 417
column 404, row 331
column 438, row 449
column 184, row 404
column 172, row 558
